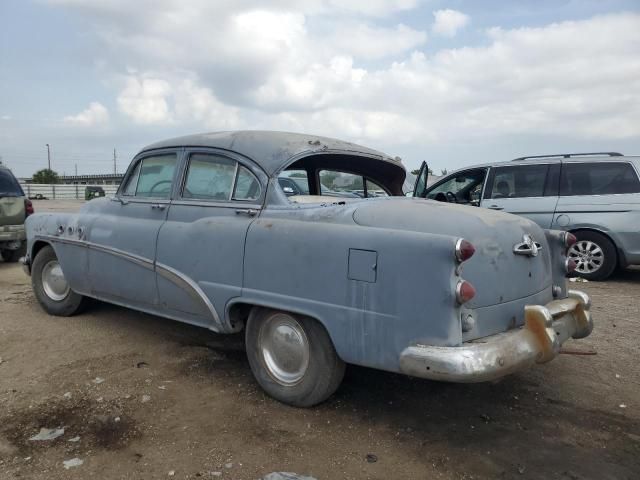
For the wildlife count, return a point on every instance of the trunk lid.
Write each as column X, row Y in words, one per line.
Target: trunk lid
column 498, row 274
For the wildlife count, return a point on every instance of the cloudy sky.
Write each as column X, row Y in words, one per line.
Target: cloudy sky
column 451, row 82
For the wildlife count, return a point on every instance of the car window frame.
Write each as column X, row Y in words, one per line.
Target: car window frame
column 256, row 171
column 547, row 179
column 573, row 162
column 132, row 167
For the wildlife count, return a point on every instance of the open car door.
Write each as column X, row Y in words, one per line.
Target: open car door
column 420, row 188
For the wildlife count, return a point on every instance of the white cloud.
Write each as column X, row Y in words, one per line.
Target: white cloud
column 5, row 117
column 95, row 114
column 145, row 100
column 448, row 22
column 305, row 66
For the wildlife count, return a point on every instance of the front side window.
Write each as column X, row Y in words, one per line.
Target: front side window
column 604, row 178
column 519, row 181
column 152, row 177
column 465, row 187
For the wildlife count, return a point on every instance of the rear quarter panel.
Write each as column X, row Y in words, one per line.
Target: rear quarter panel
column 302, row 266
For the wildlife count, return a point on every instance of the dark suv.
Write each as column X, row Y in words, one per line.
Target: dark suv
column 596, row 196
column 14, row 208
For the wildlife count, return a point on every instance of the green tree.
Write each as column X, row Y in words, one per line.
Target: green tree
column 45, row 176
column 416, row 172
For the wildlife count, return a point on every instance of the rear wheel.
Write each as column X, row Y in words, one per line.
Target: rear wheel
column 51, row 287
column 12, row 256
column 292, row 357
column 594, row 254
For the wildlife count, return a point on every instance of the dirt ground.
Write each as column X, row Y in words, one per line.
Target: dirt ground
column 151, row 398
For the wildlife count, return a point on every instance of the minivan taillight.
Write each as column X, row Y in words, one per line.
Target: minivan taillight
column 28, row 207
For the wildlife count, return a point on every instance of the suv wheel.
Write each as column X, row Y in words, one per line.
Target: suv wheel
column 292, row 357
column 12, row 256
column 51, row 288
column 594, row 254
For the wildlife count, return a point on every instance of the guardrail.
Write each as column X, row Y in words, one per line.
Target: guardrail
column 61, row 191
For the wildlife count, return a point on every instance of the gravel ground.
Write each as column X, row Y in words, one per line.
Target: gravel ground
column 146, row 398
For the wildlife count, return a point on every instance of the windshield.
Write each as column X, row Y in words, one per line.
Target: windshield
column 9, row 187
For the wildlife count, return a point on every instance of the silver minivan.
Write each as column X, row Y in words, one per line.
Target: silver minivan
column 596, row 196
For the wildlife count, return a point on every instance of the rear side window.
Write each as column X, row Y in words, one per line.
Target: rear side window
column 604, row 178
column 9, row 185
column 519, row 181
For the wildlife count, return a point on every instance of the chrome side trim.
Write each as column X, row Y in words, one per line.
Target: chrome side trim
column 188, row 284
column 174, row 276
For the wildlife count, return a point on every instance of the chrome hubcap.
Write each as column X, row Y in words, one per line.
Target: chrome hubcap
column 285, row 349
column 54, row 284
column 588, row 256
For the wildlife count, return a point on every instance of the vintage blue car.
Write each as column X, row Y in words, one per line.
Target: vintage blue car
column 202, row 232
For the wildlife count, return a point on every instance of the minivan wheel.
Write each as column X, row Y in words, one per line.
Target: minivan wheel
column 51, row 287
column 292, row 357
column 594, row 254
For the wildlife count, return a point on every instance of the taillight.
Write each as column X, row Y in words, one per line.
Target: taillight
column 464, row 250
column 28, row 207
column 570, row 265
column 464, row 292
column 569, row 239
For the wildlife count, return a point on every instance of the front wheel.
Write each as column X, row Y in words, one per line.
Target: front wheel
column 594, row 254
column 292, row 357
column 51, row 287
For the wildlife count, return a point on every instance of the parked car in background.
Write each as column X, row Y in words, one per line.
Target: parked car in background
column 93, row 191
column 14, row 209
column 202, row 231
column 595, row 196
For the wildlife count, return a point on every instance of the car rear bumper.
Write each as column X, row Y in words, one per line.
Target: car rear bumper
column 546, row 328
column 10, row 233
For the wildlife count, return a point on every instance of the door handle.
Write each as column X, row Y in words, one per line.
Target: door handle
column 246, row 211
column 158, row 206
column 495, row 207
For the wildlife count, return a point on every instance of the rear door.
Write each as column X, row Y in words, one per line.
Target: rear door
column 122, row 238
column 200, row 253
column 527, row 190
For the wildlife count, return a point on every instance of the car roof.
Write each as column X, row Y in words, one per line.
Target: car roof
column 270, row 149
column 551, row 159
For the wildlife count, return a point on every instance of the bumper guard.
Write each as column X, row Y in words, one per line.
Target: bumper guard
column 545, row 329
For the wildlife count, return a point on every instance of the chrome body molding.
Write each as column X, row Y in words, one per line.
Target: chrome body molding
column 189, row 285
column 546, row 328
column 165, row 271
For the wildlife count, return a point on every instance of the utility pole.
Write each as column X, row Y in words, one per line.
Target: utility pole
column 115, row 169
column 76, row 169
column 49, row 156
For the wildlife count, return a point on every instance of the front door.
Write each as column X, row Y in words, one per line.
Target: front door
column 200, row 253
column 527, row 190
column 122, row 239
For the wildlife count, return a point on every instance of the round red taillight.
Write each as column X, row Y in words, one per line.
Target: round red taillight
column 28, row 207
column 464, row 250
column 569, row 239
column 464, row 292
column 570, row 265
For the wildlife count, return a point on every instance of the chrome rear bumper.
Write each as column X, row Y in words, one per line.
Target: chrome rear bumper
column 546, row 328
